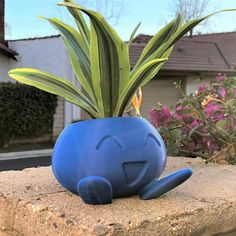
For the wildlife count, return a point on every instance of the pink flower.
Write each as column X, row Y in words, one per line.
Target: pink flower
column 220, row 78
column 194, row 123
column 153, row 116
column 189, row 126
column 218, row 117
column 166, row 114
column 212, row 146
column 160, row 117
column 211, row 108
column 182, row 112
column 179, row 107
column 201, row 89
column 222, row 92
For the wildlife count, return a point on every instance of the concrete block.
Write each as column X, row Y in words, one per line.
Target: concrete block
column 33, row 203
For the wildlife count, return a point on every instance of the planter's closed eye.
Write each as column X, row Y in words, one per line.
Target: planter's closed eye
column 107, row 139
column 151, row 138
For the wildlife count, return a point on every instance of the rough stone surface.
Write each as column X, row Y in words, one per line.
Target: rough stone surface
column 33, row 203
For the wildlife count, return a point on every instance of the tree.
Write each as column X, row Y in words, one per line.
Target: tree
column 189, row 9
column 111, row 9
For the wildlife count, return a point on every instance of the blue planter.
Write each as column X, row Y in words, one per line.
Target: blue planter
column 108, row 158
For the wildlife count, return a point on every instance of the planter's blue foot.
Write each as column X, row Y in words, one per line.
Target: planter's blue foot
column 95, row 190
column 158, row 187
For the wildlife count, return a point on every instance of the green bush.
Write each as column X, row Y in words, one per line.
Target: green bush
column 25, row 112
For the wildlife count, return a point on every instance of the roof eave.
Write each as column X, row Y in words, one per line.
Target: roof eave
column 200, row 70
column 4, row 50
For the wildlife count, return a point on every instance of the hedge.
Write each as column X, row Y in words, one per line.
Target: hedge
column 25, row 112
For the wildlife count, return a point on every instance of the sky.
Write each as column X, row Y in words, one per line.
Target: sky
column 23, row 22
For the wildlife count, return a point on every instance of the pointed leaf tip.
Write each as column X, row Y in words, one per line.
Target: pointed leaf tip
column 133, row 34
column 43, row 17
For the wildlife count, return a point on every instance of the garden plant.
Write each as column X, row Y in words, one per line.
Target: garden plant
column 202, row 124
column 110, row 155
column 26, row 112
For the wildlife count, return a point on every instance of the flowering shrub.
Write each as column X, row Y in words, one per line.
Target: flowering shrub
column 203, row 124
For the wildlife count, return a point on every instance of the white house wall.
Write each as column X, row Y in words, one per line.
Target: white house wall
column 47, row 54
column 193, row 83
column 5, row 65
column 50, row 55
column 159, row 90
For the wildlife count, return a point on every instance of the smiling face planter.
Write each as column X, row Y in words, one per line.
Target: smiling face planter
column 114, row 157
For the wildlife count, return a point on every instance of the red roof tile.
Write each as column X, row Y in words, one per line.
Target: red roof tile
column 142, row 38
column 188, row 55
column 225, row 41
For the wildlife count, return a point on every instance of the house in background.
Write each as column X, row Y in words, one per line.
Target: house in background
column 7, row 55
column 46, row 53
column 194, row 61
column 50, row 55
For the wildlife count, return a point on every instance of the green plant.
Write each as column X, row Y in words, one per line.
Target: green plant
column 25, row 112
column 203, row 124
column 100, row 60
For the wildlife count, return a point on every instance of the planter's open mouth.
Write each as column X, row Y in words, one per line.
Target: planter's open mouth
column 134, row 171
